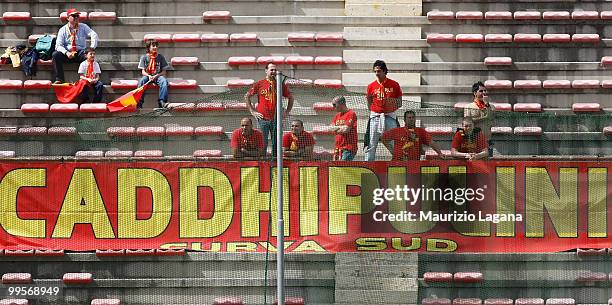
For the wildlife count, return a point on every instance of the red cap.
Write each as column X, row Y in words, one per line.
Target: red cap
column 72, row 11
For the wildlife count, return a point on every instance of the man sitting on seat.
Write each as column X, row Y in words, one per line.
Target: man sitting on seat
column 469, row 142
column 247, row 142
column 409, row 139
column 298, row 144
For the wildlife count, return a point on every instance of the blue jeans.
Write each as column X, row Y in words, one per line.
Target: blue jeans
column 268, row 128
column 347, row 155
column 162, row 83
column 98, row 88
column 370, row 153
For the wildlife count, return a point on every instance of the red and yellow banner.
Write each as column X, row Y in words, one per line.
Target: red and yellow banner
column 328, row 206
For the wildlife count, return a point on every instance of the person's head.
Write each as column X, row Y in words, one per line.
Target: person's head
column 410, row 118
column 380, row 69
column 151, row 45
column 90, row 54
column 297, row 127
column 246, row 124
column 72, row 15
column 479, row 90
column 468, row 125
column 339, row 103
column 271, row 71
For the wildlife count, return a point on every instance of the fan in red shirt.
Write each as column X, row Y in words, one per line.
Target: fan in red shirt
column 299, row 143
column 469, row 142
column 345, row 126
column 247, row 142
column 409, row 139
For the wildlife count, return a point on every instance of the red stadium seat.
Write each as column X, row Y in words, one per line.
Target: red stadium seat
column 436, row 301
column 586, row 38
column 329, row 37
column 528, row 130
column 500, row 301
column 498, row 38
column 62, row 131
column 560, row 301
column 329, row 83
column 556, row 84
column 468, row 15
column 216, row 15
column 170, row 252
column 82, row 16
column 35, row 108
column 586, row 84
column 105, row 302
column 498, row 61
column 19, row 253
column 237, row 83
column 184, row 61
column 299, row 60
column 179, row 131
column 116, row 154
column 301, row 37
column 209, row 107
column 37, row 84
column 16, row 278
column 298, row 82
column 605, row 15
column 89, row 154
column 590, row 252
column 47, row 252
column 606, row 61
column 102, row 16
column 32, row 131
column 328, row 60
column 243, row 37
column 322, row 130
column 8, row 131
column 467, row 277
column 527, row 84
column 121, row 131
column 207, row 153
column 440, row 130
column 181, row 107
column 323, row 106
column 214, row 38
column 93, row 108
column 467, row 301
column 147, row 153
column 440, row 15
column 501, row 130
column 592, row 277
column 585, row 15
column 498, row 15
column 460, row 106
column 209, row 131
column 607, row 130
column 16, row 16
column 110, row 252
column 502, row 106
column 527, row 15
column 530, row 38
column 186, row 37
column 556, row 38
column 143, row 252
column 228, row 301
column 241, row 61
column 606, row 83
column 498, row 84
column 435, row 277
column 64, row 108
column 124, row 84
column 293, row 301
column 556, row 15
column 10, row 84
column 586, row 107
column 527, row 107
column 150, row 131
column 469, row 38
column 158, row 37
column 436, row 37
column 14, row 302
column 183, row 84
column 236, row 106
column 277, row 60
column 77, row 278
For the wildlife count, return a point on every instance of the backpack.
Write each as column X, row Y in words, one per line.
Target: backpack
column 45, row 46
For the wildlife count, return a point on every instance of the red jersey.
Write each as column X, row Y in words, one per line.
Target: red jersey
column 407, row 142
column 473, row 145
column 347, row 141
column 266, row 91
column 253, row 141
column 293, row 142
column 387, row 89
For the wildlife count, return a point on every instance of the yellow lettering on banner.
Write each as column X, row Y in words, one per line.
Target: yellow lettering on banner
column 253, row 202
column 341, row 205
column 371, row 244
column 597, row 190
column 397, row 244
column 506, row 200
column 191, row 179
column 433, row 245
column 268, row 246
column 457, row 179
column 83, row 204
column 397, row 177
column 562, row 208
column 309, row 201
column 241, row 247
column 309, row 246
column 212, row 247
column 129, row 180
column 9, row 189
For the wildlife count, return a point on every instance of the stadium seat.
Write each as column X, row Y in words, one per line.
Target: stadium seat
column 556, row 38
column 102, row 16
column 498, row 38
column 592, row 277
column 498, row 301
column 158, row 37
column 142, row 252
column 18, row 253
column 440, row 15
column 241, row 61
column 528, row 131
column 328, row 60
column 498, row 84
column 298, row 82
column 207, row 153
column 277, row 60
column 170, row 252
column 209, row 107
column 7, row 154
column 556, row 84
column 467, row 301
column 606, row 83
column 239, row 106
column 590, row 252
column 323, row 106
column 498, row 15
column 179, row 131
column 110, row 252
column 469, row 38
column 527, row 84
column 243, row 37
column 8, row 131
column 216, row 15
column 585, row 15
column 586, row 38
column 17, row 278
column 329, row 83
column 436, row 301
column 293, row 301
column 35, row 108
column 435, row 277
column 62, row 131
column 228, row 301
column 440, row 130
column 32, row 131
column 299, row 60
column 606, row 61
column 14, row 302
column 93, row 108
column 82, row 16
column 605, row 15
column 586, row 84
column 89, row 154
column 147, row 153
column 121, row 131
column 556, row 15
column 150, row 131
column 48, row 252
column 209, row 131
column 501, row 130
column 16, row 16
column 529, row 38
column 527, row 15
column 105, row 302
column 468, row 15
column 181, row 107
column 502, row 106
column 118, row 154
column 237, row 83
column 37, row 84
column 460, row 106
column 124, row 84
column 183, row 84
column 467, row 277
column 322, row 130
column 560, row 301
column 64, row 108
column 498, row 61
column 214, row 37
column 184, row 61
column 186, row 37
column 77, row 278
column 10, row 84
column 527, row 107
column 329, row 37
column 436, row 37
column 607, row 130
column 301, row 37
column 529, row 301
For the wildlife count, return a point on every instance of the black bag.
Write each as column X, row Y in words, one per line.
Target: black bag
column 28, row 62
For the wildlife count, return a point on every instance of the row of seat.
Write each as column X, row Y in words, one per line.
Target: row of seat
column 217, row 301
column 548, row 84
column 498, row 301
column 241, row 37
column 606, row 61
column 107, row 16
column 99, row 252
column 517, row 38
column 67, row 278
column 460, row 277
column 15, row 84
column 519, row 15
column 93, row 302
column 535, row 107
column 289, row 60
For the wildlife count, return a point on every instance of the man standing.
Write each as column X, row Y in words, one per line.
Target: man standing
column 265, row 113
column 345, row 126
column 481, row 111
column 384, row 97
column 469, row 142
column 409, row 139
column 70, row 44
column 299, row 143
column 247, row 142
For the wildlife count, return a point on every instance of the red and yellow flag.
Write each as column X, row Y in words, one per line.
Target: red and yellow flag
column 127, row 101
column 67, row 92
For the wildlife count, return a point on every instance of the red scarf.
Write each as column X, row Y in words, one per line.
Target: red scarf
column 481, row 105
column 152, row 67
column 90, row 69
column 73, row 36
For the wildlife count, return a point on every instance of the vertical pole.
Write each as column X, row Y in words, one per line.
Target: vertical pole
column 280, row 254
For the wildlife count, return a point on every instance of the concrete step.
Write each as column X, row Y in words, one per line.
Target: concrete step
column 386, row 271
column 376, row 296
column 386, row 284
